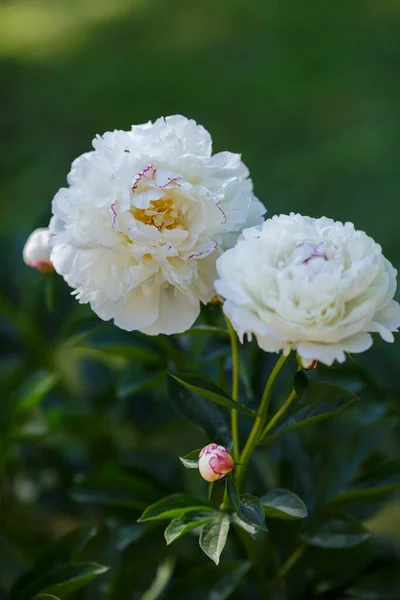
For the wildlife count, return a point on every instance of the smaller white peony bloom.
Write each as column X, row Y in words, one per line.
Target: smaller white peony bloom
column 144, row 219
column 36, row 252
column 313, row 285
column 215, row 462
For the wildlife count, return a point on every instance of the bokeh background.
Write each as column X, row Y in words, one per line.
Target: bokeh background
column 307, row 92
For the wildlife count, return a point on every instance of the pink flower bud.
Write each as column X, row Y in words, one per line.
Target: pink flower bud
column 37, row 249
column 215, row 462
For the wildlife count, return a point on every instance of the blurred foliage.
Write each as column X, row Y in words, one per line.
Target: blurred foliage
column 309, row 94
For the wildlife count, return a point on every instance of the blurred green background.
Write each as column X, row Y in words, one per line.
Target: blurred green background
column 309, row 93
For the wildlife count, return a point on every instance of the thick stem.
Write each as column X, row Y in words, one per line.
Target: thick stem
column 235, row 387
column 256, row 432
column 278, row 415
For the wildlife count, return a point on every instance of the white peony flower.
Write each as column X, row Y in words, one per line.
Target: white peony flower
column 314, row 285
column 145, row 216
column 36, row 252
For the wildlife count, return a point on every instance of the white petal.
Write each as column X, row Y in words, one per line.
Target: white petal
column 177, row 313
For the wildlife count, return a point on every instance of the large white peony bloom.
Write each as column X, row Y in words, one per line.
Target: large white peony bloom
column 314, row 285
column 145, row 216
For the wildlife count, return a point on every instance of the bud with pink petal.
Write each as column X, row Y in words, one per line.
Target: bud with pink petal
column 215, row 462
column 37, row 250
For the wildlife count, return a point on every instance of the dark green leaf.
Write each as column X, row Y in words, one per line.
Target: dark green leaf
column 181, row 525
column 347, row 457
column 209, row 583
column 252, row 511
column 63, row 581
column 381, row 480
column 213, row 537
column 202, row 386
column 250, row 529
column 191, row 460
column 33, row 391
column 382, row 584
column 113, row 487
column 233, row 495
column 202, row 413
column 339, row 531
column 46, row 597
column 301, row 386
column 283, row 504
column 324, row 401
column 173, row 506
column 62, row 550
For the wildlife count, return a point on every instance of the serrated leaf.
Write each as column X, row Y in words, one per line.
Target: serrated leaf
column 202, row 386
column 381, row 584
column 63, row 581
column 202, row 413
column 181, row 525
column 324, row 401
column 283, row 504
column 191, row 460
column 252, row 511
column 213, row 537
column 337, row 531
column 172, row 506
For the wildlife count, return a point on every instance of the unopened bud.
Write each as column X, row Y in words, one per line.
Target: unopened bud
column 37, row 249
column 215, row 462
column 306, row 363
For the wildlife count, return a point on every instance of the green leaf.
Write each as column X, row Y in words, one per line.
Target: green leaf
column 181, row 525
column 202, row 386
column 381, row 480
column 213, row 537
column 301, row 386
column 163, row 576
column 338, row 531
column 46, row 597
column 247, row 527
column 62, row 550
column 324, row 401
column 111, row 486
column 173, row 506
column 252, row 511
column 202, row 413
column 382, row 584
column 233, row 495
column 191, row 460
column 283, row 504
column 63, row 581
column 209, row 583
column 345, row 459
column 33, row 391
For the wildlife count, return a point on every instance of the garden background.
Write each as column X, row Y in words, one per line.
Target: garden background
column 309, row 94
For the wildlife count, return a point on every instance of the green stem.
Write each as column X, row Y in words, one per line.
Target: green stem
column 256, row 432
column 278, row 415
column 289, row 564
column 235, row 387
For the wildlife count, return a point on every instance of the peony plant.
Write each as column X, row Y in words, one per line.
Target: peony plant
column 152, row 226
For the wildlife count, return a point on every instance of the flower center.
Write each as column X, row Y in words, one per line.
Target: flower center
column 307, row 251
column 162, row 214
